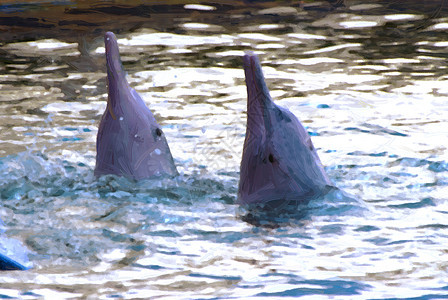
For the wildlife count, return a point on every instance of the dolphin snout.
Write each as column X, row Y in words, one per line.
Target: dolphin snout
column 249, row 59
column 112, row 52
column 257, row 90
column 250, row 62
column 259, row 101
column 115, row 72
column 109, row 40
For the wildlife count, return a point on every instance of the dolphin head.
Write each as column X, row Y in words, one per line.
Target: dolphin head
column 280, row 165
column 129, row 140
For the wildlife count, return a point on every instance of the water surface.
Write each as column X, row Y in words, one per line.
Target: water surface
column 368, row 81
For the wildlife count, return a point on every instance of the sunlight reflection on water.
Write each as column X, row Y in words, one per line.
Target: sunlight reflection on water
column 375, row 106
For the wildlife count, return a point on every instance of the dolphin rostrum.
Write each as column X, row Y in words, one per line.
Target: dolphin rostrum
column 280, row 165
column 129, row 142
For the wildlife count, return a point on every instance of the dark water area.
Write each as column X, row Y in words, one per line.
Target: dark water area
column 368, row 80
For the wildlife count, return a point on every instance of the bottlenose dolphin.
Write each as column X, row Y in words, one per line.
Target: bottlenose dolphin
column 7, row 264
column 280, row 165
column 129, row 141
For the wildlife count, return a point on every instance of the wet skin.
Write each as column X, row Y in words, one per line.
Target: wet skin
column 130, row 142
column 280, row 165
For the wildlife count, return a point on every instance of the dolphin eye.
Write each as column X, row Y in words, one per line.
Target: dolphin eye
column 159, row 132
column 311, row 146
column 271, row 158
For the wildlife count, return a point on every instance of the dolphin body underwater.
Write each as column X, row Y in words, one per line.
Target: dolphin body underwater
column 279, row 166
column 7, row 264
column 129, row 143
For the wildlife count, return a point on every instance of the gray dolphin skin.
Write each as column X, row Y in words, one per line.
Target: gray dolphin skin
column 280, row 165
column 7, row 264
column 129, row 142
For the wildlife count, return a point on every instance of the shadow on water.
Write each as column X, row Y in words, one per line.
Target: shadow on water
column 333, row 204
column 319, row 287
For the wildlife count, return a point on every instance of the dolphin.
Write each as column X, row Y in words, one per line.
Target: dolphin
column 129, row 143
column 279, row 166
column 7, row 264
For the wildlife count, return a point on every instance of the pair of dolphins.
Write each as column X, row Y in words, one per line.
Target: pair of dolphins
column 279, row 167
column 279, row 164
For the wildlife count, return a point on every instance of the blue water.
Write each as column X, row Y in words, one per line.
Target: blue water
column 374, row 100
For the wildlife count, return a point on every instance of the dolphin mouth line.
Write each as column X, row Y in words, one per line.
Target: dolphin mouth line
column 258, row 91
column 259, row 105
column 111, row 111
column 143, row 156
column 252, row 67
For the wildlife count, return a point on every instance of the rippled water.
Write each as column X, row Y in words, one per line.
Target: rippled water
column 369, row 82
